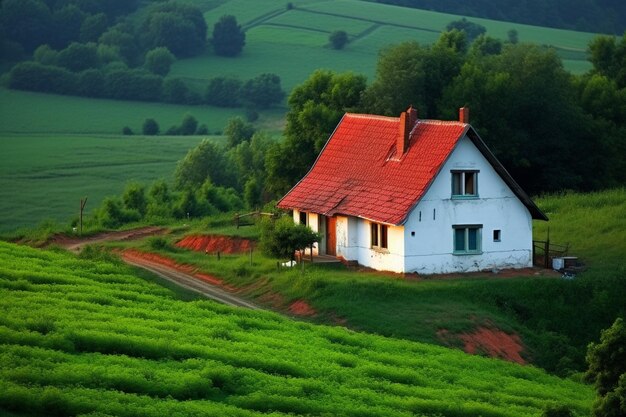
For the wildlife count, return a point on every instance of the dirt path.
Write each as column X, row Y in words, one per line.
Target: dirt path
column 189, row 281
column 76, row 244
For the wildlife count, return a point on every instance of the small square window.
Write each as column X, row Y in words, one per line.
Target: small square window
column 496, row 235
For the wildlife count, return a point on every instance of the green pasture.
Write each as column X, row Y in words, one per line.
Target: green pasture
column 88, row 337
column 45, row 176
column 293, row 43
column 28, row 112
column 538, row 308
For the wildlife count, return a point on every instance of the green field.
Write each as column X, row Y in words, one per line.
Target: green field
column 555, row 318
column 293, row 43
column 85, row 337
column 45, row 176
column 27, row 112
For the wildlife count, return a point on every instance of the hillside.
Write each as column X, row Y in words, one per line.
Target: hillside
column 555, row 319
column 87, row 337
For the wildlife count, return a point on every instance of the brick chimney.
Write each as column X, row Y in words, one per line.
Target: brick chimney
column 464, row 115
column 408, row 119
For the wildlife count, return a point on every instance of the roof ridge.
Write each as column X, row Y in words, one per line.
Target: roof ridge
column 373, row 116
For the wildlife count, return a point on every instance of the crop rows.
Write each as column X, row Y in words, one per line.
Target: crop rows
column 80, row 336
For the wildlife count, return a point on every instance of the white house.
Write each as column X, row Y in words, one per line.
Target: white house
column 409, row 195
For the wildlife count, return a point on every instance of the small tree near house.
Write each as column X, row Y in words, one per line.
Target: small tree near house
column 283, row 237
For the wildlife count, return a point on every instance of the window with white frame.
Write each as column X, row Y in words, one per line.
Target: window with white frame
column 467, row 239
column 464, row 184
column 378, row 235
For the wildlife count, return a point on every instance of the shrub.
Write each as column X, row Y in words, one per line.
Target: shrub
column 175, row 91
column 283, row 237
column 189, row 125
column 557, row 411
column 263, row 90
column 150, row 127
column 32, row 76
column 223, row 92
column 338, row 39
column 127, row 131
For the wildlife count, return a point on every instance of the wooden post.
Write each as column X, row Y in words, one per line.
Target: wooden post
column 311, row 253
column 547, row 250
column 250, row 256
column 83, row 203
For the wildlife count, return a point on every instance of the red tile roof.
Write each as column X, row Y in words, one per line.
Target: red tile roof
column 359, row 174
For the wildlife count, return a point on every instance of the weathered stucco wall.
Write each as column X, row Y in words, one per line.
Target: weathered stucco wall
column 430, row 249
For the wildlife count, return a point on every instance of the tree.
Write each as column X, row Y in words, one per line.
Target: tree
column 159, row 61
column 175, row 91
column 263, row 90
column 189, row 125
column 283, row 237
column 471, row 29
column 150, row 127
column 79, row 56
column 45, row 55
column 237, row 131
column 204, row 162
column 32, row 76
column 607, row 371
column 338, row 39
column 223, row 92
column 181, row 28
column 315, row 108
column 91, row 83
column 27, row 22
column 512, row 36
column 93, row 27
column 67, row 23
column 412, row 74
column 134, row 198
column 609, row 58
column 121, row 37
column 133, row 84
column 228, row 37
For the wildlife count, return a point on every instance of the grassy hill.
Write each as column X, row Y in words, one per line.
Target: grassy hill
column 87, row 337
column 294, row 42
column 555, row 318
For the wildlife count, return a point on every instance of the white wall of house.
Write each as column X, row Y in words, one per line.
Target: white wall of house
column 354, row 244
column 429, row 233
column 317, row 223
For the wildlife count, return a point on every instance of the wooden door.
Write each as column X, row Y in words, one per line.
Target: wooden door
column 331, row 236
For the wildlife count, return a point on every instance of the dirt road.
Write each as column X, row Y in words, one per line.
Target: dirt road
column 190, row 282
column 76, row 244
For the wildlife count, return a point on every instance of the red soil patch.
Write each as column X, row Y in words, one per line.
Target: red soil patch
column 301, row 308
column 138, row 256
column 216, row 243
column 495, row 343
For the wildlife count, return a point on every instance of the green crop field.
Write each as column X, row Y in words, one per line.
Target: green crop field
column 83, row 337
column 293, row 43
column 45, row 176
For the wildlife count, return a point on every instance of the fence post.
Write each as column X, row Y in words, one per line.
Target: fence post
column 546, row 254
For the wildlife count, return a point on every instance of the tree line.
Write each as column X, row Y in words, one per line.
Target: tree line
column 552, row 130
column 97, row 49
column 601, row 16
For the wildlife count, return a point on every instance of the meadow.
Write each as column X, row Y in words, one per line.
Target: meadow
column 45, row 176
column 555, row 318
column 297, row 38
column 83, row 337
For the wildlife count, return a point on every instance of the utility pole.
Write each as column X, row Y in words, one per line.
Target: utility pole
column 83, row 203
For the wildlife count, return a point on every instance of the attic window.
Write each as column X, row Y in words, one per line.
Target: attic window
column 378, row 234
column 464, row 184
